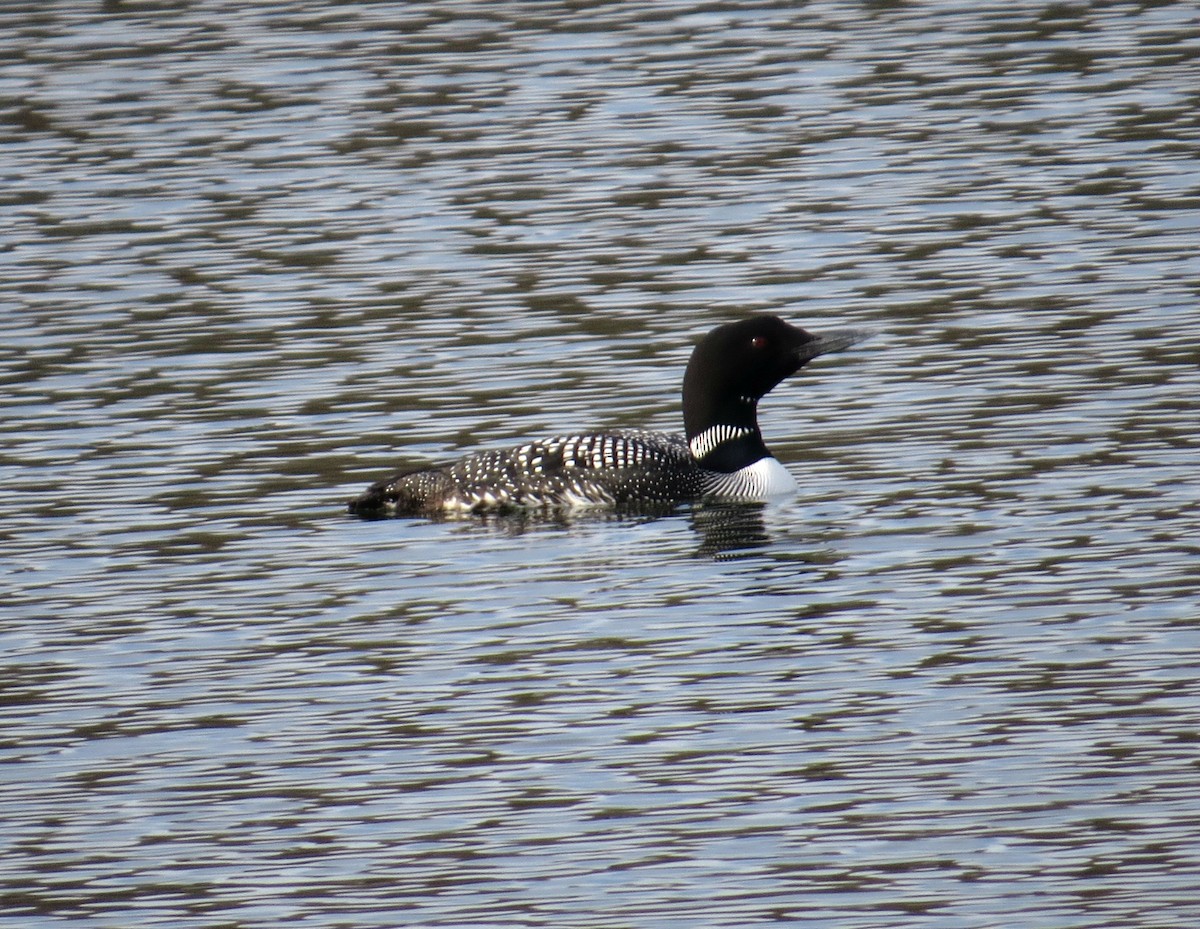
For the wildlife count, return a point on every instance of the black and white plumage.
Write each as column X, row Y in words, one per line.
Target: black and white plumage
column 722, row 454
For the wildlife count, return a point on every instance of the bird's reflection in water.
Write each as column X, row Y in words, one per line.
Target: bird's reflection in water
column 726, row 529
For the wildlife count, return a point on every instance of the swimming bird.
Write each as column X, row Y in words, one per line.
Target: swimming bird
column 721, row 454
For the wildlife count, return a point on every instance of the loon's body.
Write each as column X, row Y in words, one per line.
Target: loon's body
column 722, row 454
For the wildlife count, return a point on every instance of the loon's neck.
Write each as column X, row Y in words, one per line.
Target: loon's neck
column 725, row 437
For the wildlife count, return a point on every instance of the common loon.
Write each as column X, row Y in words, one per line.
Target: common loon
column 721, row 456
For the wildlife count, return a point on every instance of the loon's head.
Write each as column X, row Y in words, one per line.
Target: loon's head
column 731, row 369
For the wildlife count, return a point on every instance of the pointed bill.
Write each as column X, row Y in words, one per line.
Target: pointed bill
column 835, row 341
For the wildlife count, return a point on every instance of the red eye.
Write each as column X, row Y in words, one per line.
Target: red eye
column 758, row 342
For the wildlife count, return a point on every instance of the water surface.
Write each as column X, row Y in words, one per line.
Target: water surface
column 255, row 257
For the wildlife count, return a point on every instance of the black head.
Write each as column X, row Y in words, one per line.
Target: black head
column 736, row 365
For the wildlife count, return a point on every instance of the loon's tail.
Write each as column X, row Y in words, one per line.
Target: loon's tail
column 409, row 494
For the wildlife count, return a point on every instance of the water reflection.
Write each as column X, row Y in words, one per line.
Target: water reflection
column 722, row 529
column 729, row 528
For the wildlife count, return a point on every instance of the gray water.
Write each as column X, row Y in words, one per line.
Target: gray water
column 255, row 256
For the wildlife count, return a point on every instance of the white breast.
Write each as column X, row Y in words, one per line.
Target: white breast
column 759, row 481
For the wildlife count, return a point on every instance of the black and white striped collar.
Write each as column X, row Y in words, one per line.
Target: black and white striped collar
column 702, row 445
column 727, row 448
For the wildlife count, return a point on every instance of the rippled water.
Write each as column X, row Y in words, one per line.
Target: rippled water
column 257, row 255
